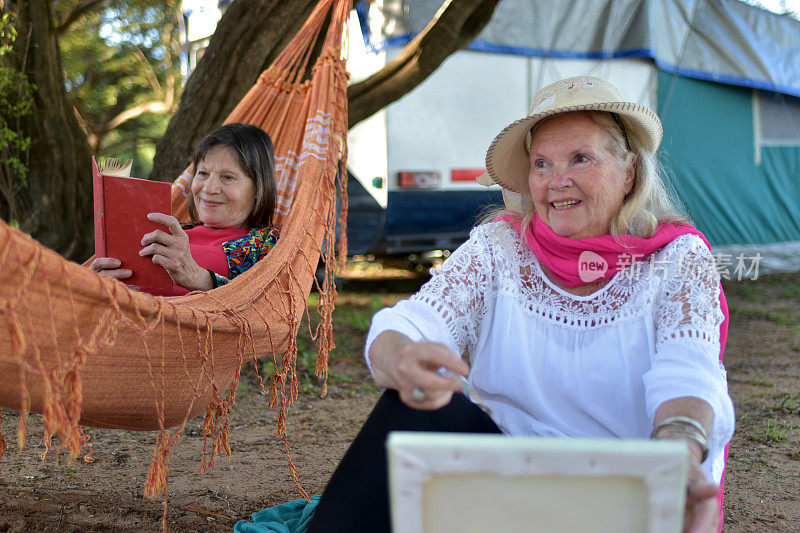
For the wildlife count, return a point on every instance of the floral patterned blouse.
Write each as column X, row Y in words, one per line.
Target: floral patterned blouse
column 244, row 252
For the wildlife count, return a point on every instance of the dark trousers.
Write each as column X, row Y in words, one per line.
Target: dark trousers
column 357, row 496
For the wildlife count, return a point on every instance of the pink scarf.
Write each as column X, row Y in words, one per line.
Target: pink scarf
column 575, row 262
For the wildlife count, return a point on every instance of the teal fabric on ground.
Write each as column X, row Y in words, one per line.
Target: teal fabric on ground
column 291, row 517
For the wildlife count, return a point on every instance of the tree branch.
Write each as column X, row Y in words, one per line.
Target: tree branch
column 149, row 73
column 83, row 120
column 454, row 27
column 75, row 14
column 159, row 106
column 128, row 143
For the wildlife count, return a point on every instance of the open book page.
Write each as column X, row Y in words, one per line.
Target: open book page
column 111, row 166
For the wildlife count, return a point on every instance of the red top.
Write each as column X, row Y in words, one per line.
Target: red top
column 205, row 244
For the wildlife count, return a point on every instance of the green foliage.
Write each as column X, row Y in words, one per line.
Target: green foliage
column 774, row 432
column 122, row 73
column 780, row 317
column 376, row 303
column 792, row 290
column 355, row 318
column 15, row 102
column 787, row 403
column 7, row 33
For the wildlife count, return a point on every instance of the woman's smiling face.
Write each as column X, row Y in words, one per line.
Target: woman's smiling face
column 224, row 195
column 576, row 182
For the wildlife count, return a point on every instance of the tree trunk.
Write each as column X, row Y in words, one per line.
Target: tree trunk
column 248, row 38
column 58, row 199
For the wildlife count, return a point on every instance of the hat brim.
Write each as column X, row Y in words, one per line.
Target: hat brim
column 508, row 160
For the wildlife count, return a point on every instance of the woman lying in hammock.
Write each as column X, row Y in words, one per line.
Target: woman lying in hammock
column 231, row 205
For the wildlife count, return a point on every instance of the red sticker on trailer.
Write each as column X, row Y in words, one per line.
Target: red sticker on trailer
column 465, row 174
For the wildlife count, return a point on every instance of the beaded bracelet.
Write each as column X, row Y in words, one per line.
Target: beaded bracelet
column 684, row 427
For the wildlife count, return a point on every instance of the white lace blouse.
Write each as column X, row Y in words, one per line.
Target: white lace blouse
column 550, row 363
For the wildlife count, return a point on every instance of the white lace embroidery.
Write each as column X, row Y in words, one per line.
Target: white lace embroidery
column 688, row 305
column 461, row 288
column 494, row 261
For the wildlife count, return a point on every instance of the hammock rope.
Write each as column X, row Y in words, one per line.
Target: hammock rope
column 83, row 349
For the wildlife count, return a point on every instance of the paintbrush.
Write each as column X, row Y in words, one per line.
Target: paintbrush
column 466, row 388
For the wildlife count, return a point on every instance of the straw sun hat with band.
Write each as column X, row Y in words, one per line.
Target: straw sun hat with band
column 508, row 159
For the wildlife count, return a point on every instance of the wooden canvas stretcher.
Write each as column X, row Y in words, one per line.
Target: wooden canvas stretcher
column 466, row 483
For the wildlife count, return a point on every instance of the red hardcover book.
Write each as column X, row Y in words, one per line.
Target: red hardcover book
column 121, row 205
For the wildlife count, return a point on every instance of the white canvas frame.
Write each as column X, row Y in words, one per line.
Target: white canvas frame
column 451, row 482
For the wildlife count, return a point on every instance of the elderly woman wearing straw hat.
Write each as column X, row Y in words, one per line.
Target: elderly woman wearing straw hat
column 596, row 312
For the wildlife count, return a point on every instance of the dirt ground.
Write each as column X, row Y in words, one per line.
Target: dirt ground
column 763, row 479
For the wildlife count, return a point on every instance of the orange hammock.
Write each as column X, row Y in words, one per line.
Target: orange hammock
column 81, row 348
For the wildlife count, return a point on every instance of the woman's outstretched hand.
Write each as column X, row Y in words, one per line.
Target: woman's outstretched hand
column 702, row 512
column 171, row 251
column 412, row 368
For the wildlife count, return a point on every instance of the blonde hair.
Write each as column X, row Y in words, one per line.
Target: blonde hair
column 649, row 202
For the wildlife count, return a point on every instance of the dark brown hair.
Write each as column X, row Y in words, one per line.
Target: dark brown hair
column 255, row 153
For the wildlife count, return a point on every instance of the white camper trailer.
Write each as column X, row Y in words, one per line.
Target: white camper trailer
column 415, row 161
column 731, row 115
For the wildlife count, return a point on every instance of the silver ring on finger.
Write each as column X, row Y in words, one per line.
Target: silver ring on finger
column 418, row 395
